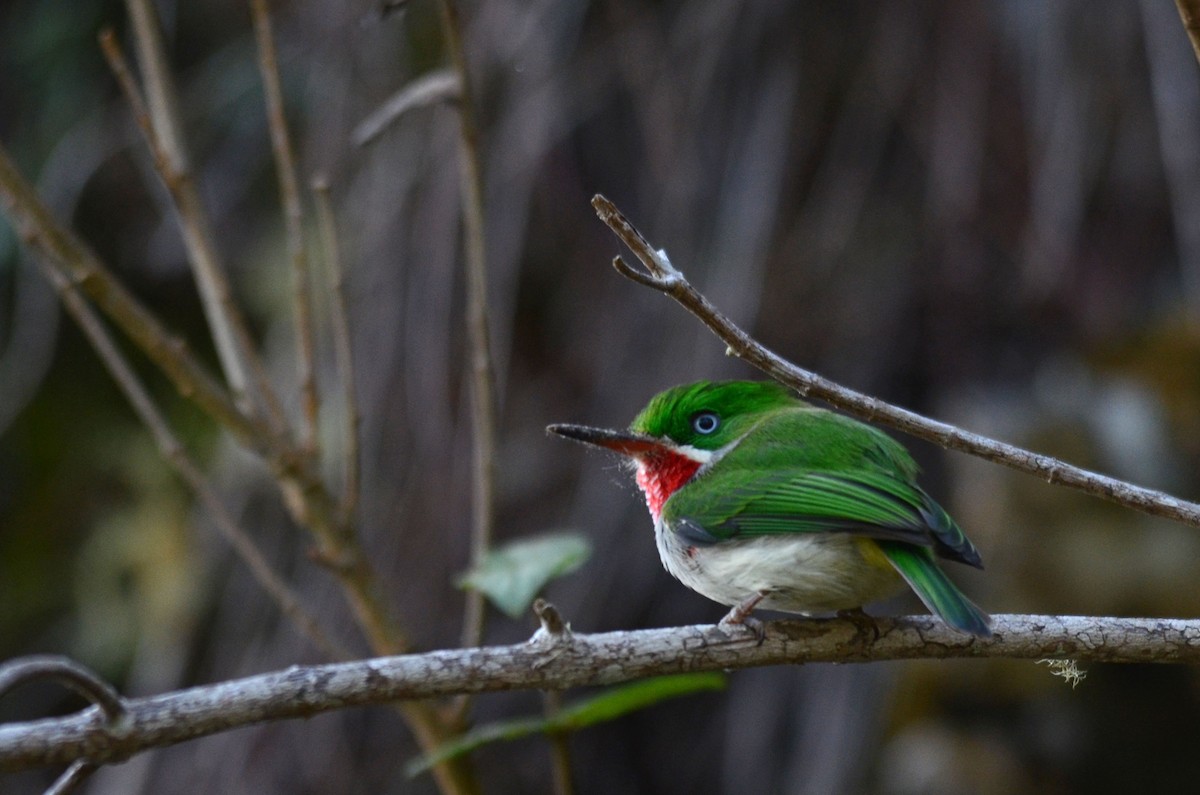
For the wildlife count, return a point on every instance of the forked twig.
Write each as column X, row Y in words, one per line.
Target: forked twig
column 241, row 363
column 661, row 275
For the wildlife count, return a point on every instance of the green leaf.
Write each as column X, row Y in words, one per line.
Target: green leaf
column 609, row 705
column 622, row 700
column 512, row 575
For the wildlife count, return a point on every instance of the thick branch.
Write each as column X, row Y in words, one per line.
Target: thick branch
column 663, row 276
column 562, row 660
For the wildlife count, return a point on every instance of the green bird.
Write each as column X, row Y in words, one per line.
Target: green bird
column 761, row 500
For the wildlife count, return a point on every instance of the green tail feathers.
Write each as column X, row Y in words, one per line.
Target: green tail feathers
column 916, row 565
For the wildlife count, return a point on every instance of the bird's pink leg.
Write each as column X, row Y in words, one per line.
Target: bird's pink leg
column 739, row 615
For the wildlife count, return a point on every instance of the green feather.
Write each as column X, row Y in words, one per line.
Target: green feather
column 940, row 595
column 810, row 470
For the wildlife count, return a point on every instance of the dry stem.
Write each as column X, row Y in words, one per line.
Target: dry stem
column 230, row 335
column 661, row 275
column 483, row 379
column 293, row 211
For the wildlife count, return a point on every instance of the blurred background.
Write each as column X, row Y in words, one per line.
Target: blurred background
column 983, row 211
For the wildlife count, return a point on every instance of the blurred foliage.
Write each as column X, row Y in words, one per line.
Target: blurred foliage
column 513, row 574
column 980, row 210
column 608, row 705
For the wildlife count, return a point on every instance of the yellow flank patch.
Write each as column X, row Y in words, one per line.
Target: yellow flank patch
column 871, row 553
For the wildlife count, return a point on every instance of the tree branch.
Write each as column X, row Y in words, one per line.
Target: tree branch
column 661, row 275
column 560, row 660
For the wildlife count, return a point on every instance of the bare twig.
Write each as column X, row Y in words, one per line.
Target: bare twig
column 232, row 340
column 305, row 495
column 72, row 778
column 175, row 453
column 436, row 86
column 483, row 379
column 74, row 268
column 342, row 350
column 661, row 275
column 68, row 673
column 560, row 745
column 82, row 680
column 293, row 211
column 577, row 660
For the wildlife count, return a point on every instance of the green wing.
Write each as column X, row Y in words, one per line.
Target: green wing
column 940, row 595
column 871, row 503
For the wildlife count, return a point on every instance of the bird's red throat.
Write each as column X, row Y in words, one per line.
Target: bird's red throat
column 660, row 474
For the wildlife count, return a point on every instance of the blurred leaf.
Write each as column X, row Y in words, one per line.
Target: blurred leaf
column 512, row 575
column 618, row 701
column 607, row 706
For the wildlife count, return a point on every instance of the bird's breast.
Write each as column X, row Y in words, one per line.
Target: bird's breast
column 799, row 572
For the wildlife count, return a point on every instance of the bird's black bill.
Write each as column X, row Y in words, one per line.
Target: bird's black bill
column 618, row 441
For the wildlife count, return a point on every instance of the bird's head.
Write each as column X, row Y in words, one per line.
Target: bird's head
column 683, row 429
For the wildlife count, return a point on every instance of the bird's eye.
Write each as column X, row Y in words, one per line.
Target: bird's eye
column 705, row 422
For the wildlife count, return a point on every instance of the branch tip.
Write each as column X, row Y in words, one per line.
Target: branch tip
column 552, row 623
column 662, row 276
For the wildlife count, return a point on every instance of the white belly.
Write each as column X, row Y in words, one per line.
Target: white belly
column 799, row 573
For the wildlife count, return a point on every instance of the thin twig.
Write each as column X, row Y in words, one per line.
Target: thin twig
column 67, row 673
column 663, row 276
column 546, row 663
column 483, row 379
column 305, row 495
column 83, row 681
column 437, row 86
column 560, row 746
column 230, row 336
column 72, row 778
column 293, row 212
column 342, row 350
column 173, row 450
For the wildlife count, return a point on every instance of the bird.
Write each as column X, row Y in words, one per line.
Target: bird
column 763, row 501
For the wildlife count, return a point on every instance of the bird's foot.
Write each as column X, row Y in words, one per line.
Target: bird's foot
column 864, row 625
column 739, row 616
